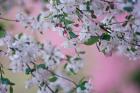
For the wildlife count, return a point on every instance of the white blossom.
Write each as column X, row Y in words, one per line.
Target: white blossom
column 75, row 64
column 24, row 51
column 39, row 76
column 52, row 56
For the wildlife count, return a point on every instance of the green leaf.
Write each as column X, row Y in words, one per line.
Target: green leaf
column 137, row 33
column 78, row 58
column 52, row 78
column 72, row 71
column 105, row 36
column 2, row 34
column 56, row 2
column 41, row 66
column 72, row 35
column 133, row 1
column 92, row 40
column 38, row 17
column 28, row 71
column 11, row 89
column 65, row 66
column 88, row 4
column 128, row 8
column 135, row 77
column 5, row 81
column 20, row 35
column 46, row 1
column 132, row 49
column 82, row 85
column 67, row 22
column 2, row 30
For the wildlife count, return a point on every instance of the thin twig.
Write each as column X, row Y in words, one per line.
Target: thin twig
column 6, row 19
column 61, row 77
column 50, row 88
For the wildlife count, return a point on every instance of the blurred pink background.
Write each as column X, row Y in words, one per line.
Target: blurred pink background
column 109, row 74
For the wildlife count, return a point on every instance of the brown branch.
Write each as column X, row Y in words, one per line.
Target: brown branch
column 6, row 19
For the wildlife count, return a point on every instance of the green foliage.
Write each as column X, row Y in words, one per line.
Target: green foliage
column 29, row 71
column 72, row 72
column 11, row 89
column 132, row 1
column 128, row 8
column 41, row 66
column 6, row 81
column 137, row 33
column 56, row 1
column 106, row 36
column 135, row 78
column 2, row 30
column 132, row 49
column 92, row 40
column 52, row 78
column 88, row 3
column 46, row 1
column 65, row 66
column 72, row 35
column 82, row 84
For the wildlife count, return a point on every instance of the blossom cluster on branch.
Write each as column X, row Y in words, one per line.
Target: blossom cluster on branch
column 98, row 22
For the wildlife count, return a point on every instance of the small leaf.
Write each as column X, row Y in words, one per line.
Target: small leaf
column 82, row 85
column 2, row 34
column 29, row 70
column 2, row 31
column 67, row 22
column 65, row 66
column 72, row 71
column 38, row 17
column 137, row 33
column 41, row 66
column 133, row 1
column 46, row 1
column 52, row 78
column 72, row 35
column 5, row 81
column 133, row 49
column 105, row 36
column 128, row 8
column 135, row 77
column 92, row 40
column 20, row 35
column 11, row 89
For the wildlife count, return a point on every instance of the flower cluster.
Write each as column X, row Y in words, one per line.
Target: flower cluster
column 98, row 23
column 24, row 50
column 109, row 33
column 42, row 62
column 74, row 64
column 52, row 56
